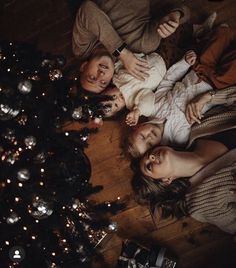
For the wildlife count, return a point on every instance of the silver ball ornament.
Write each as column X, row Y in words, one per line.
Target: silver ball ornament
column 40, row 209
column 55, row 74
column 12, row 218
column 77, row 113
column 30, row 141
column 112, row 227
column 7, row 112
column 23, row 175
column 25, row 86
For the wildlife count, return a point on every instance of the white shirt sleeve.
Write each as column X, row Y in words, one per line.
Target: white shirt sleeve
column 144, row 101
column 174, row 74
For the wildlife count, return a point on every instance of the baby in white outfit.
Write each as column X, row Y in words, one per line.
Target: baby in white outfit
column 167, row 105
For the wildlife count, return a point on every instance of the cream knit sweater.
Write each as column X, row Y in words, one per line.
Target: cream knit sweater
column 212, row 197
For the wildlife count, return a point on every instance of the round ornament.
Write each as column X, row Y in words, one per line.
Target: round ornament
column 12, row 218
column 40, row 209
column 23, row 175
column 30, row 141
column 55, row 74
column 25, row 87
column 7, row 113
column 77, row 113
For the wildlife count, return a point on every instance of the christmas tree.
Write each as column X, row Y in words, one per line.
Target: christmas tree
column 46, row 217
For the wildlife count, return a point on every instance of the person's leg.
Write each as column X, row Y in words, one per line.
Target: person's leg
column 219, row 41
column 217, row 63
column 91, row 28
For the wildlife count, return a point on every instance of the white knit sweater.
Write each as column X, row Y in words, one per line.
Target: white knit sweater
column 140, row 93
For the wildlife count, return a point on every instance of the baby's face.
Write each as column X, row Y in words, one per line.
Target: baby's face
column 118, row 102
column 144, row 137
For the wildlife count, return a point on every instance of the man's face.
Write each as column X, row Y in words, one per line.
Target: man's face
column 96, row 74
column 145, row 137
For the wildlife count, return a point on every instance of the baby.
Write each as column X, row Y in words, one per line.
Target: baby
column 167, row 105
column 132, row 93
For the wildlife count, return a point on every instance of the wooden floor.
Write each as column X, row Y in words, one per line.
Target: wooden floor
column 48, row 24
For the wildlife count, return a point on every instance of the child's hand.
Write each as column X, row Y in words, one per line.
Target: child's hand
column 132, row 117
column 190, row 57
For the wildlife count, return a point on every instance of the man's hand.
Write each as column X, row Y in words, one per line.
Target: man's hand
column 169, row 24
column 195, row 106
column 132, row 117
column 136, row 67
column 190, row 57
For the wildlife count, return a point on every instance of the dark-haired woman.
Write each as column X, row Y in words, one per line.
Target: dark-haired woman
column 199, row 182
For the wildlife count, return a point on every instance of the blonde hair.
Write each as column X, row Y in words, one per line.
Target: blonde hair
column 130, row 148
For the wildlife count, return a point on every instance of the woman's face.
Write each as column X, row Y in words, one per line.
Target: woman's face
column 157, row 163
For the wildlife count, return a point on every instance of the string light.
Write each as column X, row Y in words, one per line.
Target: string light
column 8, row 181
column 66, row 134
column 17, row 199
column 7, row 243
column 41, row 183
column 42, row 170
column 53, row 254
column 118, row 197
column 20, row 184
column 33, row 237
column 24, row 228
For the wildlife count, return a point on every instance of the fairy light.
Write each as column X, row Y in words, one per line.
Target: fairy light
column 20, row 149
column 43, row 94
column 108, row 204
column 33, row 237
column 41, row 183
column 8, row 69
column 20, row 184
column 37, row 221
column 42, row 170
column 7, row 243
column 24, row 228
column 17, row 199
column 53, row 254
column 118, row 197
column 66, row 134
column 8, row 181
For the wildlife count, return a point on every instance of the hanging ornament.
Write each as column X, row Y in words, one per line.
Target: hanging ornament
column 34, row 77
column 112, row 227
column 46, row 63
column 40, row 209
column 25, row 86
column 10, row 157
column 55, row 74
column 23, row 174
column 61, row 61
column 77, row 113
column 9, row 134
column 13, row 218
column 7, row 113
column 40, row 158
column 30, row 142
column 22, row 119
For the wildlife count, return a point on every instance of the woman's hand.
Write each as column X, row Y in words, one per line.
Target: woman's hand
column 132, row 117
column 169, row 24
column 190, row 57
column 195, row 106
column 136, row 67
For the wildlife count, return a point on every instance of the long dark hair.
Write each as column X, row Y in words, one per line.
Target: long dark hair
column 156, row 194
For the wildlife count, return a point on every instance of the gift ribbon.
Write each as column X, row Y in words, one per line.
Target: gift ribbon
column 132, row 262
